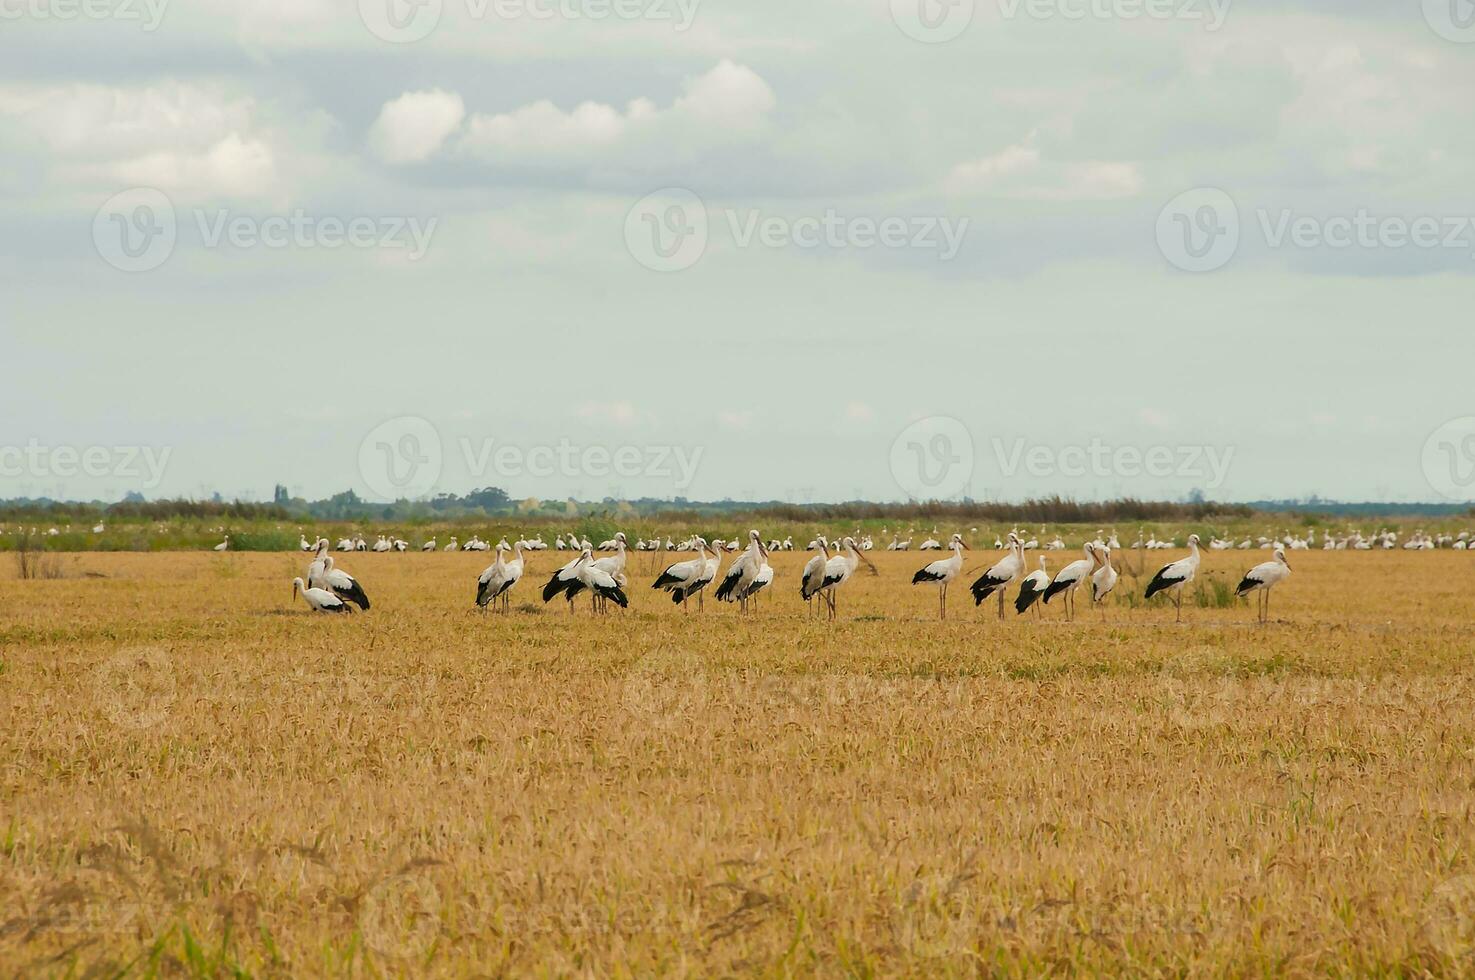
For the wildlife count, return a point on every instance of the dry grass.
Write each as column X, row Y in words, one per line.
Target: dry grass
column 199, row 778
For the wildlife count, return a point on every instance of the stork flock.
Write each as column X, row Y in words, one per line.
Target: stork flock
column 329, row 588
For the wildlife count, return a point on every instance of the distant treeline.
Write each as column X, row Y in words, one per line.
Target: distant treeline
column 153, row 510
column 491, row 502
column 1367, row 509
column 1055, row 510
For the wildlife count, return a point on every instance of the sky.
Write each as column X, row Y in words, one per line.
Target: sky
column 746, row 249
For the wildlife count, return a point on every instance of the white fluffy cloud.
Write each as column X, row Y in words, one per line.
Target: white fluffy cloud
column 189, row 139
column 413, row 127
column 727, row 102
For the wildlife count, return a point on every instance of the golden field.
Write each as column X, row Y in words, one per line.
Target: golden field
column 201, row 778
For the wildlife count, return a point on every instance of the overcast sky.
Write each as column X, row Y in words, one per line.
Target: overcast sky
column 746, row 248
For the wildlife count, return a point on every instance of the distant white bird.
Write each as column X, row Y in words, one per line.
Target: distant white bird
column 453, row 546
column 428, row 546
column 302, row 545
column 1068, row 580
column 942, row 572
column 1175, row 575
column 1264, row 577
column 224, row 545
column 319, row 600
column 998, row 578
column 1031, row 587
column 1104, row 579
column 498, row 580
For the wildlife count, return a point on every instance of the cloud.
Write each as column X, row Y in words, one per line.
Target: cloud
column 1154, row 419
column 233, row 167
column 181, row 138
column 414, row 126
column 728, row 102
column 1022, row 171
column 619, row 413
column 736, row 421
column 728, row 95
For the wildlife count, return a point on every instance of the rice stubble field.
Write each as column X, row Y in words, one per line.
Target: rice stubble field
column 202, row 778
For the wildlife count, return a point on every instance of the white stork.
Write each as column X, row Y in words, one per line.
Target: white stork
column 1264, row 577
column 1104, row 579
column 814, row 572
column 761, row 581
column 428, row 546
column 339, row 582
column 1175, row 575
column 1031, row 587
column 614, row 565
column 565, row 581
column 684, row 578
column 600, row 583
column 224, row 545
column 742, row 572
column 839, row 569
column 319, row 564
column 1001, row 575
column 1068, row 579
column 941, row 572
column 499, row 578
column 709, row 575
column 319, row 600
